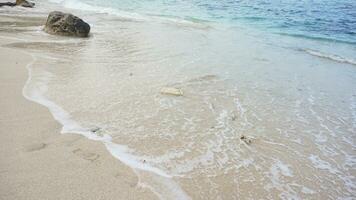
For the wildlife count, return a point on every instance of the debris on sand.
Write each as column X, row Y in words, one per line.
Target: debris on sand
column 172, row 91
column 246, row 139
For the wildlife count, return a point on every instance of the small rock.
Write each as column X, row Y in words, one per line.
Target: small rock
column 172, row 91
column 66, row 24
column 22, row 3
column 245, row 139
column 7, row 4
column 25, row 3
column 95, row 129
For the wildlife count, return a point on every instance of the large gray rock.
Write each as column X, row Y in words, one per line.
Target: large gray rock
column 66, row 24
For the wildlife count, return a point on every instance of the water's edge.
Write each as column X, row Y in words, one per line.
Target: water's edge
column 120, row 152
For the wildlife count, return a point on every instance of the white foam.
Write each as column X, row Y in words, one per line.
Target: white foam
column 121, row 152
column 306, row 190
column 280, row 168
column 353, row 111
column 278, row 171
column 78, row 5
column 332, row 57
column 322, row 164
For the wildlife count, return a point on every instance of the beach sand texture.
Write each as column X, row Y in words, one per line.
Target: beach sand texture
column 37, row 162
column 153, row 107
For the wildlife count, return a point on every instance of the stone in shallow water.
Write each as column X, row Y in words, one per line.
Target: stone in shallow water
column 172, row 91
column 25, row 3
column 66, row 24
column 22, row 3
column 7, row 4
column 246, row 139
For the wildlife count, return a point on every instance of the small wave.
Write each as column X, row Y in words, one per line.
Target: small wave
column 78, row 5
column 311, row 37
column 332, row 57
column 254, row 18
column 121, row 152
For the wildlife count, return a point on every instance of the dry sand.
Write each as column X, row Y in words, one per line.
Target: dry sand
column 38, row 162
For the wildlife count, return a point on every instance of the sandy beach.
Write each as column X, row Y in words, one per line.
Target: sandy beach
column 38, row 162
column 177, row 100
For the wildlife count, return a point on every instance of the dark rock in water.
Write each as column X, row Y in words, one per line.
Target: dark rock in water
column 24, row 3
column 66, row 24
column 246, row 139
column 7, row 4
column 95, row 129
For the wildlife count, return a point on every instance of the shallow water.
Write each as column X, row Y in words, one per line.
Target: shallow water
column 296, row 106
column 319, row 19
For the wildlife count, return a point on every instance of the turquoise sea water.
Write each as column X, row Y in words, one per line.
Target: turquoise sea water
column 318, row 19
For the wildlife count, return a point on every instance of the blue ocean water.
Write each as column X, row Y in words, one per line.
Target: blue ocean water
column 317, row 19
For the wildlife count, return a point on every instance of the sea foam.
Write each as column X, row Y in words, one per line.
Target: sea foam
column 121, row 152
column 331, row 57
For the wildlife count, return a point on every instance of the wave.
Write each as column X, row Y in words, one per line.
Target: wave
column 78, row 5
column 311, row 37
column 332, row 57
column 120, row 152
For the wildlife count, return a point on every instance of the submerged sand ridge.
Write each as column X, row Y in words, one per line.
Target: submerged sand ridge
column 301, row 127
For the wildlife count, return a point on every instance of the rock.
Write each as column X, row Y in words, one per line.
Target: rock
column 22, row 3
column 245, row 139
column 7, row 4
column 25, row 3
column 95, row 129
column 172, row 91
column 66, row 24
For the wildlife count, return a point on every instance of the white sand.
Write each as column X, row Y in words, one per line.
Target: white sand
column 37, row 162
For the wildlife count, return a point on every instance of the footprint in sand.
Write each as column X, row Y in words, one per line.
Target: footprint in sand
column 132, row 181
column 35, row 147
column 86, row 155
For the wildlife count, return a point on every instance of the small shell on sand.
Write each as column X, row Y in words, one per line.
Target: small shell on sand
column 172, row 91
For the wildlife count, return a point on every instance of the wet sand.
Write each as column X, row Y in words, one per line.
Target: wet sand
column 298, row 110
column 38, row 162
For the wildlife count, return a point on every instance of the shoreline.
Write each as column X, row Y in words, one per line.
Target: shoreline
column 37, row 162
column 194, row 142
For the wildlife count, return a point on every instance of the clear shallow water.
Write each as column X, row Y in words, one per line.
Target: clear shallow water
column 319, row 19
column 294, row 98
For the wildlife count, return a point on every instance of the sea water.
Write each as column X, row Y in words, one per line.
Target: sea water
column 280, row 73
